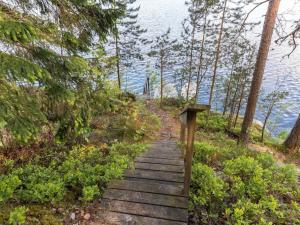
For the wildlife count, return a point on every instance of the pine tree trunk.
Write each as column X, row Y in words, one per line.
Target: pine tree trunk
column 118, row 59
column 293, row 140
column 191, row 62
column 259, row 69
column 217, row 56
column 199, row 80
column 240, row 103
column 228, row 91
column 233, row 105
column 266, row 121
column 161, row 80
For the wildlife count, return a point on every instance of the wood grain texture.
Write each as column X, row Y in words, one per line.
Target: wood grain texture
column 152, row 193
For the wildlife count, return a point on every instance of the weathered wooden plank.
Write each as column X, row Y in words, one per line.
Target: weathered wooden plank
column 150, row 187
column 127, row 219
column 159, row 167
column 153, row 211
column 158, row 155
column 155, row 175
column 146, row 198
column 159, row 161
column 156, row 149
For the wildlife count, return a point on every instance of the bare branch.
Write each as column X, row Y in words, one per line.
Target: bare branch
column 247, row 16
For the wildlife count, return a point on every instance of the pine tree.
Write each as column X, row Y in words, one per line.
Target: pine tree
column 259, row 69
column 163, row 51
column 231, row 13
column 268, row 102
column 128, row 38
column 44, row 78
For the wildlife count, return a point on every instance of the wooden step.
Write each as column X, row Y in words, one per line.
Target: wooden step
column 159, row 167
column 149, row 187
column 164, row 155
column 159, row 161
column 152, row 211
column 155, row 175
column 147, row 198
column 128, row 219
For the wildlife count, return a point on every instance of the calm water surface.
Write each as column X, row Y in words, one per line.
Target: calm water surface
column 158, row 15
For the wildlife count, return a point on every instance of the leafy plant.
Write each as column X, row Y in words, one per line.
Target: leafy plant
column 8, row 186
column 90, row 192
column 18, row 215
column 40, row 184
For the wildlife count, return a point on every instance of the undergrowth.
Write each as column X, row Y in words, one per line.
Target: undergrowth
column 236, row 185
column 60, row 176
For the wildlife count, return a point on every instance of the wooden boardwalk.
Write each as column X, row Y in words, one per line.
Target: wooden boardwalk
column 152, row 194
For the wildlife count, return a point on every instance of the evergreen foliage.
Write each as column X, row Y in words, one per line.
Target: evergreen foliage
column 45, row 78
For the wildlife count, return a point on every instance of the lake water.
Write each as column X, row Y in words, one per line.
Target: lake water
column 158, row 15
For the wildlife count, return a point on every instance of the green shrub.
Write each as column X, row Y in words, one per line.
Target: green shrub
column 206, row 185
column 8, row 185
column 246, row 177
column 131, row 150
column 247, row 187
column 88, row 166
column 266, row 160
column 18, row 216
column 90, row 192
column 216, row 121
column 40, row 184
column 205, row 153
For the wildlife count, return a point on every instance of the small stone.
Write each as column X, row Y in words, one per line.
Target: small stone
column 60, row 210
column 82, row 213
column 87, row 216
column 72, row 216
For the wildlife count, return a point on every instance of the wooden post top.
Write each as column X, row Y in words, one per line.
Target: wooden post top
column 195, row 108
column 192, row 109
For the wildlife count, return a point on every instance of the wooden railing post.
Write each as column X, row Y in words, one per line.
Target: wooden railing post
column 188, row 121
column 191, row 125
column 182, row 138
column 182, row 133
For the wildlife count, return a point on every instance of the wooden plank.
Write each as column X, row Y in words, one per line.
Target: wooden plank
column 147, row 198
column 127, row 219
column 165, row 150
column 153, row 211
column 159, row 161
column 159, row 167
column 158, row 155
column 149, row 187
column 155, row 175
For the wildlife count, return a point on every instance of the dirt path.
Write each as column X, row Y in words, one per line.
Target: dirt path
column 170, row 126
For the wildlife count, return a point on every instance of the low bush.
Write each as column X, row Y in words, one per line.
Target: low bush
column 8, row 185
column 39, row 184
column 84, row 172
column 234, row 185
column 214, row 123
column 18, row 215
